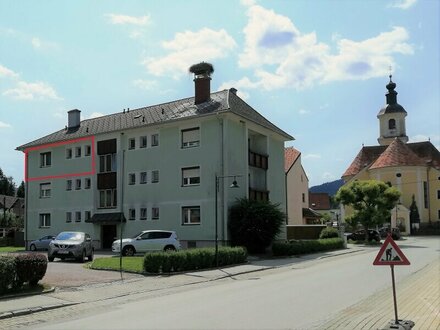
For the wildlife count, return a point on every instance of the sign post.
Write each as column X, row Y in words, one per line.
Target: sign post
column 391, row 255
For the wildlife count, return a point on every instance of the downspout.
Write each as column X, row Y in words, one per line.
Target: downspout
column 122, row 205
column 428, row 193
column 26, row 194
column 223, row 174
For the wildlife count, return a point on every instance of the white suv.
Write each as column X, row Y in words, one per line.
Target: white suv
column 146, row 241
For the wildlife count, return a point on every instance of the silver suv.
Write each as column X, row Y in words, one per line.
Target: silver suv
column 146, row 241
column 71, row 244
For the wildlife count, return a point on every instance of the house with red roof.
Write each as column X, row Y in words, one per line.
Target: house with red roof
column 413, row 168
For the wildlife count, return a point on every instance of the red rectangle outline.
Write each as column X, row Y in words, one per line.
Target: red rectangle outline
column 56, row 144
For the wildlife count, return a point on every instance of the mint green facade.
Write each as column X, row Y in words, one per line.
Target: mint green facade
column 222, row 150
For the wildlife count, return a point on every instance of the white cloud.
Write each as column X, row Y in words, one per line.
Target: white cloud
column 5, row 72
column 311, row 156
column 131, row 20
column 188, row 48
column 4, row 125
column 303, row 112
column 281, row 56
column 39, row 44
column 403, row 4
column 32, row 91
column 95, row 115
column 145, row 84
column 328, row 176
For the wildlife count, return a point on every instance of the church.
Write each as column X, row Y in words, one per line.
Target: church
column 413, row 168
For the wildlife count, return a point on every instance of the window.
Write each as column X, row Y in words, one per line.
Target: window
column 304, row 198
column 87, row 150
column 44, row 220
column 190, row 137
column 131, row 178
column 107, row 198
column 438, row 194
column 425, row 194
column 143, row 213
column 107, row 163
column 191, row 215
column 392, row 124
column 77, row 216
column 131, row 144
column 45, row 190
column 78, row 184
column 78, row 152
column 143, row 178
column 87, row 215
column 191, row 176
column 132, row 214
column 87, row 183
column 154, row 140
column 68, row 216
column 155, row 213
column 69, row 185
column 155, row 176
column 45, row 159
column 68, row 153
column 143, row 142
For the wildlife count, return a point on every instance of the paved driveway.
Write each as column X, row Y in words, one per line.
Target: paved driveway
column 71, row 273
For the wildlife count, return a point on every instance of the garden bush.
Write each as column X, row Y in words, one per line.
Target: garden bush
column 30, row 268
column 329, row 232
column 193, row 259
column 296, row 247
column 7, row 273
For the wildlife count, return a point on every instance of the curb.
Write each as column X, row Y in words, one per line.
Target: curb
column 32, row 310
column 27, row 294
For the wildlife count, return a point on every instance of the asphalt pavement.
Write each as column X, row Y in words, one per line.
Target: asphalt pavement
column 419, row 294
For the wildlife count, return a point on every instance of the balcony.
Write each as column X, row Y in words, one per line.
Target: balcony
column 258, row 195
column 258, row 160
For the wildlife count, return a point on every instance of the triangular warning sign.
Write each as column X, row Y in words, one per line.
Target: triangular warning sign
column 390, row 254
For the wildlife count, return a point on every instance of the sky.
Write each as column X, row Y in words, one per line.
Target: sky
column 315, row 68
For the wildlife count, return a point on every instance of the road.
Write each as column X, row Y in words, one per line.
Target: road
column 301, row 296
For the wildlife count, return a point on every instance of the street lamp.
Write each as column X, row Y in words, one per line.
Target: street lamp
column 217, row 187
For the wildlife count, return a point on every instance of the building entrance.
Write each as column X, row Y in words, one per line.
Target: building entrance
column 108, row 233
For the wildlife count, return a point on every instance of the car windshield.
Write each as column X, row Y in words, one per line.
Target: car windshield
column 137, row 235
column 70, row 236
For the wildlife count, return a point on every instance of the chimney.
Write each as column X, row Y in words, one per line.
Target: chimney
column 74, row 118
column 202, row 81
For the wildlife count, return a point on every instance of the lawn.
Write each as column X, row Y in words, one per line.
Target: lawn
column 130, row 264
column 4, row 249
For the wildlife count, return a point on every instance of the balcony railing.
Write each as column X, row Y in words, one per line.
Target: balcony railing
column 258, row 195
column 258, row 160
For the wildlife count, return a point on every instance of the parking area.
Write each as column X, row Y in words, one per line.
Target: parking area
column 71, row 273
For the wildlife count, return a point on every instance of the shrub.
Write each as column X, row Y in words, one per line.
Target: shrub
column 7, row 273
column 184, row 260
column 254, row 224
column 329, row 232
column 30, row 268
column 302, row 247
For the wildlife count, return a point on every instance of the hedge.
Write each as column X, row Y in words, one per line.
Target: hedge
column 16, row 270
column 30, row 268
column 7, row 273
column 192, row 259
column 295, row 247
column 329, row 232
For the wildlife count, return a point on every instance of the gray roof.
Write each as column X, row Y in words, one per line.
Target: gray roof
column 222, row 101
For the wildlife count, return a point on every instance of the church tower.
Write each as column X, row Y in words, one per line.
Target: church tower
column 392, row 118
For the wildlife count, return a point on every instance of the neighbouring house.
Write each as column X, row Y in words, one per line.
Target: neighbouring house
column 156, row 167
column 413, row 168
column 297, row 188
column 13, row 205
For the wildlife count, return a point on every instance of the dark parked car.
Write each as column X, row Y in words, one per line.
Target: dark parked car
column 71, row 244
column 41, row 243
column 395, row 233
column 359, row 235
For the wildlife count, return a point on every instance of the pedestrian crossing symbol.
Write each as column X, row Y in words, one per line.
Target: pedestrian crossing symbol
column 390, row 254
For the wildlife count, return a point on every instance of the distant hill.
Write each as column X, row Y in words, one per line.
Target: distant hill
column 329, row 187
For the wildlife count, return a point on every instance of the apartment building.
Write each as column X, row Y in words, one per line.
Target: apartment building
column 156, row 167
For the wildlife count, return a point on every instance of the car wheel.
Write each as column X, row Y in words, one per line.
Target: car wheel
column 90, row 257
column 33, row 247
column 50, row 259
column 128, row 251
column 82, row 258
column 169, row 248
